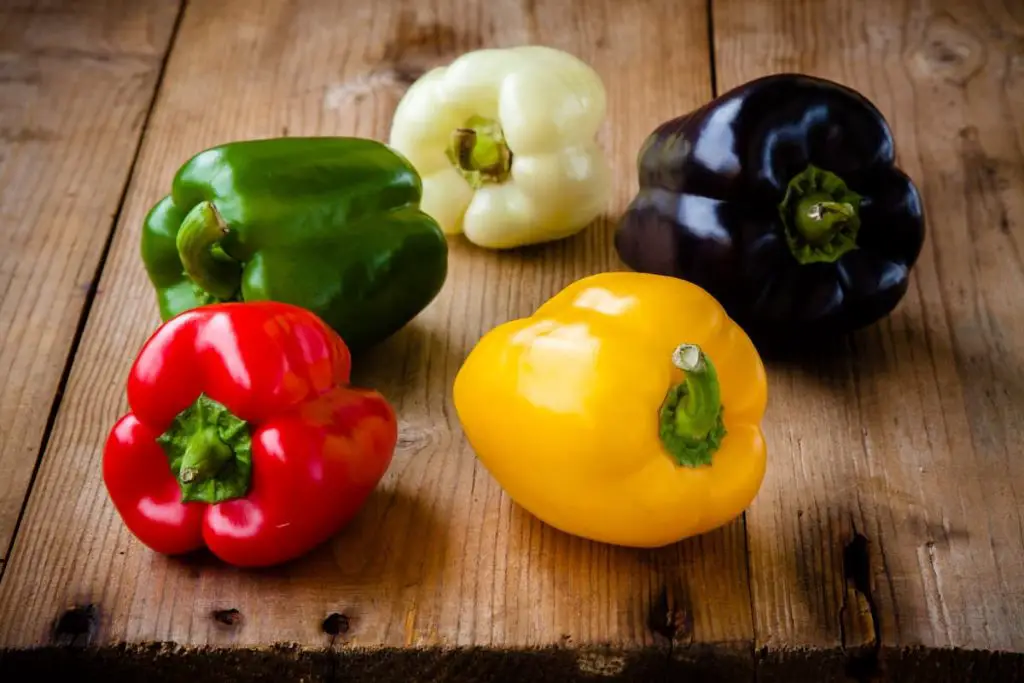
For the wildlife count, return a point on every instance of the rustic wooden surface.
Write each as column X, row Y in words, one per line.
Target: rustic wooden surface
column 892, row 512
column 886, row 543
column 76, row 81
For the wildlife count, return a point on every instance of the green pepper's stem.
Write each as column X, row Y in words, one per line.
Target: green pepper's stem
column 210, row 452
column 479, row 152
column 200, row 232
column 691, row 425
column 820, row 215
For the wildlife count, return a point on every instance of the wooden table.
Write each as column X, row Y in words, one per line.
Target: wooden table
column 887, row 542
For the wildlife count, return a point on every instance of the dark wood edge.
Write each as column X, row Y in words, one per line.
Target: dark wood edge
column 169, row 663
column 896, row 664
column 724, row 663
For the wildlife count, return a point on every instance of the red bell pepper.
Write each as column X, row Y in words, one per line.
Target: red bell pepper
column 244, row 435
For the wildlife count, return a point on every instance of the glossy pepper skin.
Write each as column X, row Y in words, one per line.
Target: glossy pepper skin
column 781, row 199
column 245, row 436
column 625, row 410
column 331, row 224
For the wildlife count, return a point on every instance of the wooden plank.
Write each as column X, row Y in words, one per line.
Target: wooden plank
column 901, row 451
column 76, row 80
column 439, row 557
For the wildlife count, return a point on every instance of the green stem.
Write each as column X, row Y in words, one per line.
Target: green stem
column 691, row 425
column 198, row 240
column 210, row 452
column 479, row 153
column 820, row 215
column 818, row 218
column 205, row 456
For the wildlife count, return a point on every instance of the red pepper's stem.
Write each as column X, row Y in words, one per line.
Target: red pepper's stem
column 204, row 457
column 691, row 415
column 210, row 452
column 199, row 234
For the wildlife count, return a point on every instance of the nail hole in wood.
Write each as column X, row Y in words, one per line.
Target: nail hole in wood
column 228, row 617
column 77, row 622
column 335, row 624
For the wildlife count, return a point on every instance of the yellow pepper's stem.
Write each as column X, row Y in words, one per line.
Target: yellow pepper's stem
column 691, row 426
column 479, row 152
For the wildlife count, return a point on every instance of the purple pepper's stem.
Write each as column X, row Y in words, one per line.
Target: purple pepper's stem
column 820, row 216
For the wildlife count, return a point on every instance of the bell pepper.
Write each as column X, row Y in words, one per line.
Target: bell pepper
column 627, row 410
column 505, row 142
column 329, row 224
column 244, row 435
column 782, row 200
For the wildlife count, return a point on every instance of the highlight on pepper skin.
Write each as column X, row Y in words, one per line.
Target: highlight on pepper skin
column 627, row 409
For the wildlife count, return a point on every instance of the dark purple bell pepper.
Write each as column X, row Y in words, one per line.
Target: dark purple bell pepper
column 781, row 199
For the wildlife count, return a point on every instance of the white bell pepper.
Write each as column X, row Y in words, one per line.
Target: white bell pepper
column 504, row 141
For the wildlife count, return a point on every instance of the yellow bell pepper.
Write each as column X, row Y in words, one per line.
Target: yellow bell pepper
column 626, row 410
column 504, row 140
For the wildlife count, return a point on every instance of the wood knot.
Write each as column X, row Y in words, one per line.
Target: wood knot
column 969, row 134
column 415, row 48
column 950, row 52
column 336, row 624
column 74, row 624
column 425, row 44
column 413, row 438
column 228, row 617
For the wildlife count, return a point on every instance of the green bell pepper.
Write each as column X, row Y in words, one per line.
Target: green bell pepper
column 330, row 224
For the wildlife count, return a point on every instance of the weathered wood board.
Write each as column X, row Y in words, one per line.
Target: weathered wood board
column 886, row 543
column 76, row 82
column 892, row 513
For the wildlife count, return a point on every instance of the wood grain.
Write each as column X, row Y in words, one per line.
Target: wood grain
column 76, row 80
column 906, row 443
column 439, row 557
column 890, row 519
